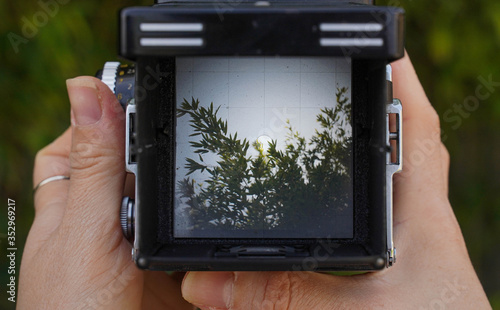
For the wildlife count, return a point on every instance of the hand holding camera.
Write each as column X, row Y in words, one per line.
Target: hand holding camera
column 76, row 256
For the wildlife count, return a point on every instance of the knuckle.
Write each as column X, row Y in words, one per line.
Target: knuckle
column 93, row 150
column 88, row 158
column 51, row 164
column 42, row 154
column 83, row 157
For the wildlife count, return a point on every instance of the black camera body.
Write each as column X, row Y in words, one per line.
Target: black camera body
column 259, row 134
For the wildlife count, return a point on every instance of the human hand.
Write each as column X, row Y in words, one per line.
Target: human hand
column 75, row 256
column 433, row 268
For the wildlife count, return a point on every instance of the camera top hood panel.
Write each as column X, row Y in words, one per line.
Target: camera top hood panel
column 251, row 29
column 273, row 2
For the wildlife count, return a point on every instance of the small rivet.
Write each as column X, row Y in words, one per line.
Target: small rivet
column 142, row 262
column 379, row 263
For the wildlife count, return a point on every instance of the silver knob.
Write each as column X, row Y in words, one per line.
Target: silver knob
column 109, row 74
column 127, row 218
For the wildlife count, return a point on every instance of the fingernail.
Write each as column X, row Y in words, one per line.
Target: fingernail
column 208, row 289
column 85, row 104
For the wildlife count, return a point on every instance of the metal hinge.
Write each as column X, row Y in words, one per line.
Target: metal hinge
column 393, row 166
column 130, row 137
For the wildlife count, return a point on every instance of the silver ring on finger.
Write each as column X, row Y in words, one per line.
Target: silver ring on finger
column 48, row 180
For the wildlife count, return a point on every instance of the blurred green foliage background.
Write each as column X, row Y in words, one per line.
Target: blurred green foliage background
column 451, row 43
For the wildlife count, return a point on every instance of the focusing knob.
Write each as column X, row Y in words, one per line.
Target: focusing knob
column 120, row 78
column 109, row 74
column 127, row 218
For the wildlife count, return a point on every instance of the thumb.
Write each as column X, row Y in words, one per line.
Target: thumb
column 267, row 290
column 96, row 159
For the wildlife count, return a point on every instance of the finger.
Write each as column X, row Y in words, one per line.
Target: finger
column 162, row 292
column 421, row 126
column 407, row 86
column 53, row 160
column 96, row 160
column 49, row 199
column 422, row 173
column 57, row 151
column 422, row 211
column 276, row 290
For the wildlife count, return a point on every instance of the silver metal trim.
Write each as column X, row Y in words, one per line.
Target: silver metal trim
column 358, row 27
column 388, row 73
column 393, row 167
column 132, row 168
column 262, row 3
column 351, row 42
column 173, row 27
column 129, row 166
column 109, row 74
column 135, row 248
column 171, row 41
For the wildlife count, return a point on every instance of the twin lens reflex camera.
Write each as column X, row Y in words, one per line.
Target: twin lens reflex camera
column 262, row 135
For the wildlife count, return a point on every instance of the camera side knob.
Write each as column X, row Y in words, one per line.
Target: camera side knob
column 120, row 78
column 127, row 218
column 108, row 75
